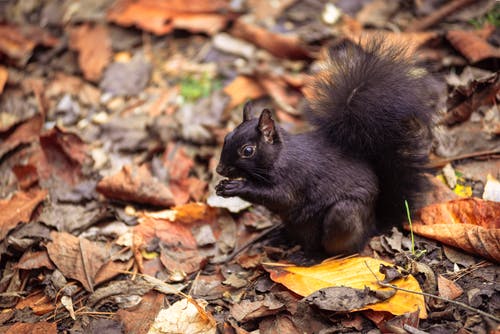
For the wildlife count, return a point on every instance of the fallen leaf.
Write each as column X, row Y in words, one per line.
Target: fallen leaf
column 18, row 42
column 77, row 258
column 279, row 324
column 35, row 260
column 38, row 302
column 4, row 74
column 279, row 45
column 470, row 224
column 19, row 209
column 23, row 133
column 26, row 175
column 136, row 184
column 126, row 78
column 354, row 31
column 161, row 17
column 351, row 272
column 345, row 299
column 93, row 44
column 182, row 260
column 179, row 165
column 139, row 320
column 61, row 156
column 448, row 289
column 248, row 310
column 111, row 269
column 184, row 316
column 242, row 89
column 42, row 327
column 473, row 46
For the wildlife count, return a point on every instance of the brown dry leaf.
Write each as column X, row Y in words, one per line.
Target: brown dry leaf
column 77, row 258
column 472, row 45
column 354, row 31
column 471, row 224
column 26, row 175
column 4, row 74
column 174, row 228
column 140, row 319
column 162, row 16
column 112, row 269
column 177, row 259
column 62, row 155
column 23, row 133
column 136, row 184
column 354, row 273
column 169, row 233
column 279, row 324
column 35, row 260
column 448, row 289
column 242, row 89
column 281, row 46
column 37, row 301
column 18, row 42
column 42, row 327
column 179, row 165
column 247, row 310
column 93, row 44
column 19, row 209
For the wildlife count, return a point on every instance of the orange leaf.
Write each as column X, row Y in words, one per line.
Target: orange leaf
column 93, row 44
column 281, row 46
column 23, row 133
column 161, row 17
column 136, row 184
column 471, row 224
column 19, row 209
column 35, row 328
column 472, row 46
column 448, row 289
column 3, row 77
column 241, row 89
column 350, row 272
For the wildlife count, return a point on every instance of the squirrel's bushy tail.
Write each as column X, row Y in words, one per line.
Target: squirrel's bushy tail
column 372, row 102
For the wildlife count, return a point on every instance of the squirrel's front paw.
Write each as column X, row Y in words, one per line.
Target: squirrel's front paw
column 229, row 188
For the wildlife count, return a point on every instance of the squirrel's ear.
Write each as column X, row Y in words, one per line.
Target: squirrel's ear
column 247, row 111
column 267, row 127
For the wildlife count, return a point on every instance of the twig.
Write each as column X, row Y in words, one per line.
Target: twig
column 463, row 305
column 438, row 15
column 443, row 162
column 246, row 245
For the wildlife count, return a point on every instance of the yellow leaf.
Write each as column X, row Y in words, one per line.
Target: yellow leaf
column 149, row 255
column 350, row 272
column 463, row 191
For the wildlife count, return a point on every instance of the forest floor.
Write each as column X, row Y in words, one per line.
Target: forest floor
column 112, row 118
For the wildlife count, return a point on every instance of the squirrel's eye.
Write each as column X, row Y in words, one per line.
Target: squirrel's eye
column 247, row 151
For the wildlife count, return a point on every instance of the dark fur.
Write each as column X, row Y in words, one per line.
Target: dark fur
column 334, row 185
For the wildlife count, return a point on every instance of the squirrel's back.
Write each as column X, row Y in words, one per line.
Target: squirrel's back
column 373, row 104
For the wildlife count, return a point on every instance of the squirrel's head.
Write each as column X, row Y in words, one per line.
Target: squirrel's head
column 250, row 150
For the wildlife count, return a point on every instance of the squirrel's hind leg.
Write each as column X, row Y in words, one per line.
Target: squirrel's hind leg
column 347, row 226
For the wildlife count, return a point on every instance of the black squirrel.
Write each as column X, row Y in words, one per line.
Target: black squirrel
column 337, row 185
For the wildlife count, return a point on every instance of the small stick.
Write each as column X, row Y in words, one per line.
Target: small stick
column 465, row 306
column 443, row 162
column 430, row 20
